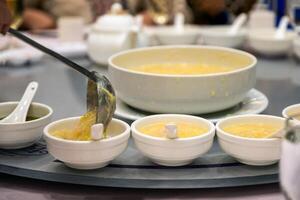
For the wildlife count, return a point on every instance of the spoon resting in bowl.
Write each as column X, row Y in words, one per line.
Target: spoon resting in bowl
column 237, row 24
column 282, row 132
column 282, row 28
column 20, row 112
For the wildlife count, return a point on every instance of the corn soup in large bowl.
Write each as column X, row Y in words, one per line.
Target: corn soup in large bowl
column 182, row 79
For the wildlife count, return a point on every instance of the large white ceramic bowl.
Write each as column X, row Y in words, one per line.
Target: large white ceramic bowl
column 218, row 36
column 188, row 94
column 87, row 154
column 250, row 151
column 172, row 152
column 292, row 110
column 19, row 135
column 262, row 41
column 168, row 35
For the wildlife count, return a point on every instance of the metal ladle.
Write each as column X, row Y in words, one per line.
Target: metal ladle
column 100, row 93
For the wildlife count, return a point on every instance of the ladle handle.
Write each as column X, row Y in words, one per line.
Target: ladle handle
column 52, row 53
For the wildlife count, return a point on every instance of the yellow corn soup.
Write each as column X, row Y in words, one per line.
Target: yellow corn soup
column 182, row 68
column 82, row 130
column 184, row 129
column 252, row 130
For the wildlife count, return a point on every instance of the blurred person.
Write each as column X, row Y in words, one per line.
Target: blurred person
column 159, row 12
column 209, row 11
column 41, row 14
column 216, row 12
column 237, row 7
column 5, row 17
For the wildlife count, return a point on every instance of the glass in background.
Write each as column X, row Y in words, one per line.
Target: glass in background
column 290, row 164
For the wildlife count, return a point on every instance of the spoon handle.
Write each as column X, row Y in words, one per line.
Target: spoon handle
column 282, row 27
column 237, row 24
column 51, row 53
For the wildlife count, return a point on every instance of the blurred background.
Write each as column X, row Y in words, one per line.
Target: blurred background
column 39, row 14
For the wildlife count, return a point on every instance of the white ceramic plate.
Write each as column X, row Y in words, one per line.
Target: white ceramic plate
column 255, row 102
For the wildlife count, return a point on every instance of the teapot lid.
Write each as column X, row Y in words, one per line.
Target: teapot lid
column 115, row 19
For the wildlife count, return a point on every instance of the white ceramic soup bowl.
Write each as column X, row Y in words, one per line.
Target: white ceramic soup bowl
column 172, row 152
column 19, row 135
column 250, row 151
column 87, row 154
column 168, row 35
column 218, row 36
column 262, row 41
column 187, row 94
column 291, row 110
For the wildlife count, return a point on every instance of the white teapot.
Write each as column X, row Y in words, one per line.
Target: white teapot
column 112, row 33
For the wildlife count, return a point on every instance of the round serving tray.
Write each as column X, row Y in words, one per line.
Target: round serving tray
column 133, row 170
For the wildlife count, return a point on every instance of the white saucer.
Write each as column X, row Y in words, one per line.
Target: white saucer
column 255, row 102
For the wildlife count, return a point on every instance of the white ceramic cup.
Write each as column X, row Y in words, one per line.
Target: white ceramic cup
column 70, row 29
column 172, row 152
column 87, row 154
column 19, row 135
column 250, row 151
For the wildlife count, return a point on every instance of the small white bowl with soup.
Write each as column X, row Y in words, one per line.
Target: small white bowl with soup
column 292, row 111
column 23, row 134
column 246, row 138
column 69, row 141
column 182, row 79
column 194, row 137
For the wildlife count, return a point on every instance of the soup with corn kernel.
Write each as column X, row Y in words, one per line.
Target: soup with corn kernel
column 183, row 68
column 81, row 132
column 184, row 129
column 252, row 130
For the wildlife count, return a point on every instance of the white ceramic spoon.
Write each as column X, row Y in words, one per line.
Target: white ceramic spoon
column 179, row 22
column 97, row 132
column 237, row 24
column 281, row 133
column 20, row 112
column 171, row 130
column 282, row 27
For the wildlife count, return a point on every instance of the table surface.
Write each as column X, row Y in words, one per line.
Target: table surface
column 64, row 90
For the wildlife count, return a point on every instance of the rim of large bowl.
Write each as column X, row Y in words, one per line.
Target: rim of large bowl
column 108, row 140
column 50, row 112
column 211, row 130
column 253, row 58
column 235, row 137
